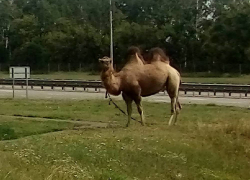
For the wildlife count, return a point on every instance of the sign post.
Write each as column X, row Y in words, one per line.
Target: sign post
column 13, row 85
column 27, row 81
column 20, row 73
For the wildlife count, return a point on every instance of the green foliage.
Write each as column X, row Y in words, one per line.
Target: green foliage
column 229, row 34
column 72, row 31
column 3, row 53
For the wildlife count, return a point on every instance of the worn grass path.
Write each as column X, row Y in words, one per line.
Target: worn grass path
column 77, row 124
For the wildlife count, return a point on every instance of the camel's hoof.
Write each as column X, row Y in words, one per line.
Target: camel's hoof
column 172, row 124
column 127, row 125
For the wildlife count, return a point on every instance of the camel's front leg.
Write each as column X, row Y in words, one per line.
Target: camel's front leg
column 129, row 107
column 140, row 110
column 129, row 110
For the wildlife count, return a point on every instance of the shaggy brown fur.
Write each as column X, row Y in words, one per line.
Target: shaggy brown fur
column 158, row 54
column 134, row 50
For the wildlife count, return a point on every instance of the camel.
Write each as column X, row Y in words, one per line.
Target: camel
column 138, row 79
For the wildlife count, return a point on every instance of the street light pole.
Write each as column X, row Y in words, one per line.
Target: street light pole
column 111, row 33
column 197, row 16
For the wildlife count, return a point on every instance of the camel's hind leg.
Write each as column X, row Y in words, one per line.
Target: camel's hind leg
column 173, row 92
column 128, row 101
column 178, row 108
column 173, row 111
column 140, row 110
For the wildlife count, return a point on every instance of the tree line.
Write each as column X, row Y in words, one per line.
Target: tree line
column 193, row 32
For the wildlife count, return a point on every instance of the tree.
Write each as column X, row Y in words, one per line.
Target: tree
column 73, row 31
column 228, row 37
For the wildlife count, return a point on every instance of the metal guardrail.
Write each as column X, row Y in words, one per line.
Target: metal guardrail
column 215, row 88
column 53, row 83
column 186, row 87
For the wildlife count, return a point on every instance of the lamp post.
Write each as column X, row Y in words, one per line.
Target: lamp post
column 111, row 33
column 197, row 16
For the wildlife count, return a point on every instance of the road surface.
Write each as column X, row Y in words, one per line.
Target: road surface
column 161, row 97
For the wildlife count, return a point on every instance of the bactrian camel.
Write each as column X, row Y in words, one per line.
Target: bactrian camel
column 139, row 79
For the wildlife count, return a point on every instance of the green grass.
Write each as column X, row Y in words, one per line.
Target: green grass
column 186, row 77
column 216, row 78
column 210, row 142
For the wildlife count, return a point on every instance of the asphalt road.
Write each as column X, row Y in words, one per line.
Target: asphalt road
column 161, row 97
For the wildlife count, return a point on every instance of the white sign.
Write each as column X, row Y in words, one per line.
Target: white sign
column 19, row 72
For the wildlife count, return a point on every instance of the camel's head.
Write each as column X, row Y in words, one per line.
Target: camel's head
column 106, row 62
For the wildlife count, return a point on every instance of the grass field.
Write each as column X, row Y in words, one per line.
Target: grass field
column 210, row 142
column 198, row 77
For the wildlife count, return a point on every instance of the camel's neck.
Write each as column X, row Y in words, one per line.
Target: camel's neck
column 111, row 81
